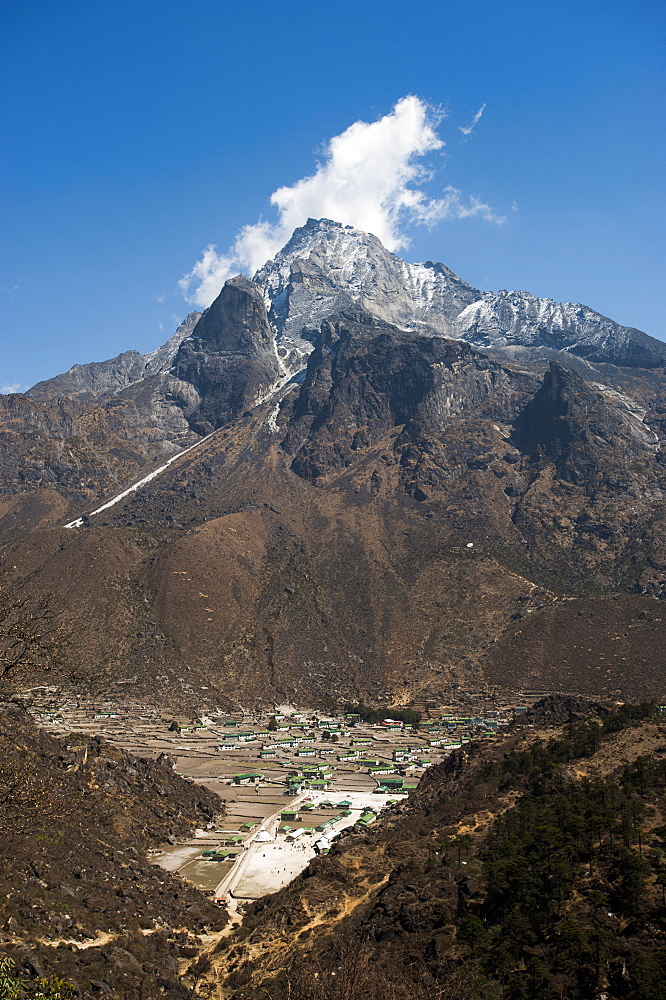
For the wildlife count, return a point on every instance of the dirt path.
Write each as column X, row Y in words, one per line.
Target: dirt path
column 101, row 938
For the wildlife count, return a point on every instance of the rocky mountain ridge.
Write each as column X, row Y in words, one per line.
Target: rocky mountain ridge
column 103, row 377
column 350, row 507
column 325, row 267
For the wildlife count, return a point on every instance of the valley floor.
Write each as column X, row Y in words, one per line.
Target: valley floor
column 199, row 753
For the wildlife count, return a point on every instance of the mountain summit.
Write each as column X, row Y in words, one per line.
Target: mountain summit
column 326, row 266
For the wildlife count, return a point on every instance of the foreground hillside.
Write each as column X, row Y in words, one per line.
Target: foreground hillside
column 78, row 897
column 532, row 868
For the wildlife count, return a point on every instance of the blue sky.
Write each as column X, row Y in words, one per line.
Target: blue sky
column 136, row 133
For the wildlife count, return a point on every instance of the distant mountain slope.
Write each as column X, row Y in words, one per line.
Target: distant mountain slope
column 101, row 377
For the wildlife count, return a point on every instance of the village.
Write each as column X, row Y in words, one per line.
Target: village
column 291, row 781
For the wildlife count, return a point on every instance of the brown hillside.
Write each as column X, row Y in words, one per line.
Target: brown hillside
column 78, row 896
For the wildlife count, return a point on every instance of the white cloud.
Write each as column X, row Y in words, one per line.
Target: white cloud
column 452, row 206
column 468, row 129
column 370, row 178
column 203, row 283
column 10, row 387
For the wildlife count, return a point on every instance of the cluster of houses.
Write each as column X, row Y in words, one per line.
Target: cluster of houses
column 306, row 738
column 289, row 819
column 301, row 730
column 293, row 824
column 319, row 777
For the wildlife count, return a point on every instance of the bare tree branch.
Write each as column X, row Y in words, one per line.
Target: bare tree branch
column 30, row 633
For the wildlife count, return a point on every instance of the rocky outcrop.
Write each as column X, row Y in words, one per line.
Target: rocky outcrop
column 230, row 358
column 101, row 425
column 579, row 427
column 81, row 449
column 366, row 377
column 236, row 322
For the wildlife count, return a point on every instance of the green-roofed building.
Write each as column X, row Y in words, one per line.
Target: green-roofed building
column 247, row 778
column 390, row 784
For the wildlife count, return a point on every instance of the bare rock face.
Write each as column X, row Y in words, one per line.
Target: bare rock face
column 581, row 429
column 365, row 378
column 100, row 425
column 93, row 378
column 230, row 358
column 236, row 321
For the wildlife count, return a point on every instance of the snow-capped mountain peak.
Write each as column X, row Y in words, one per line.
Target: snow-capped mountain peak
column 326, row 267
